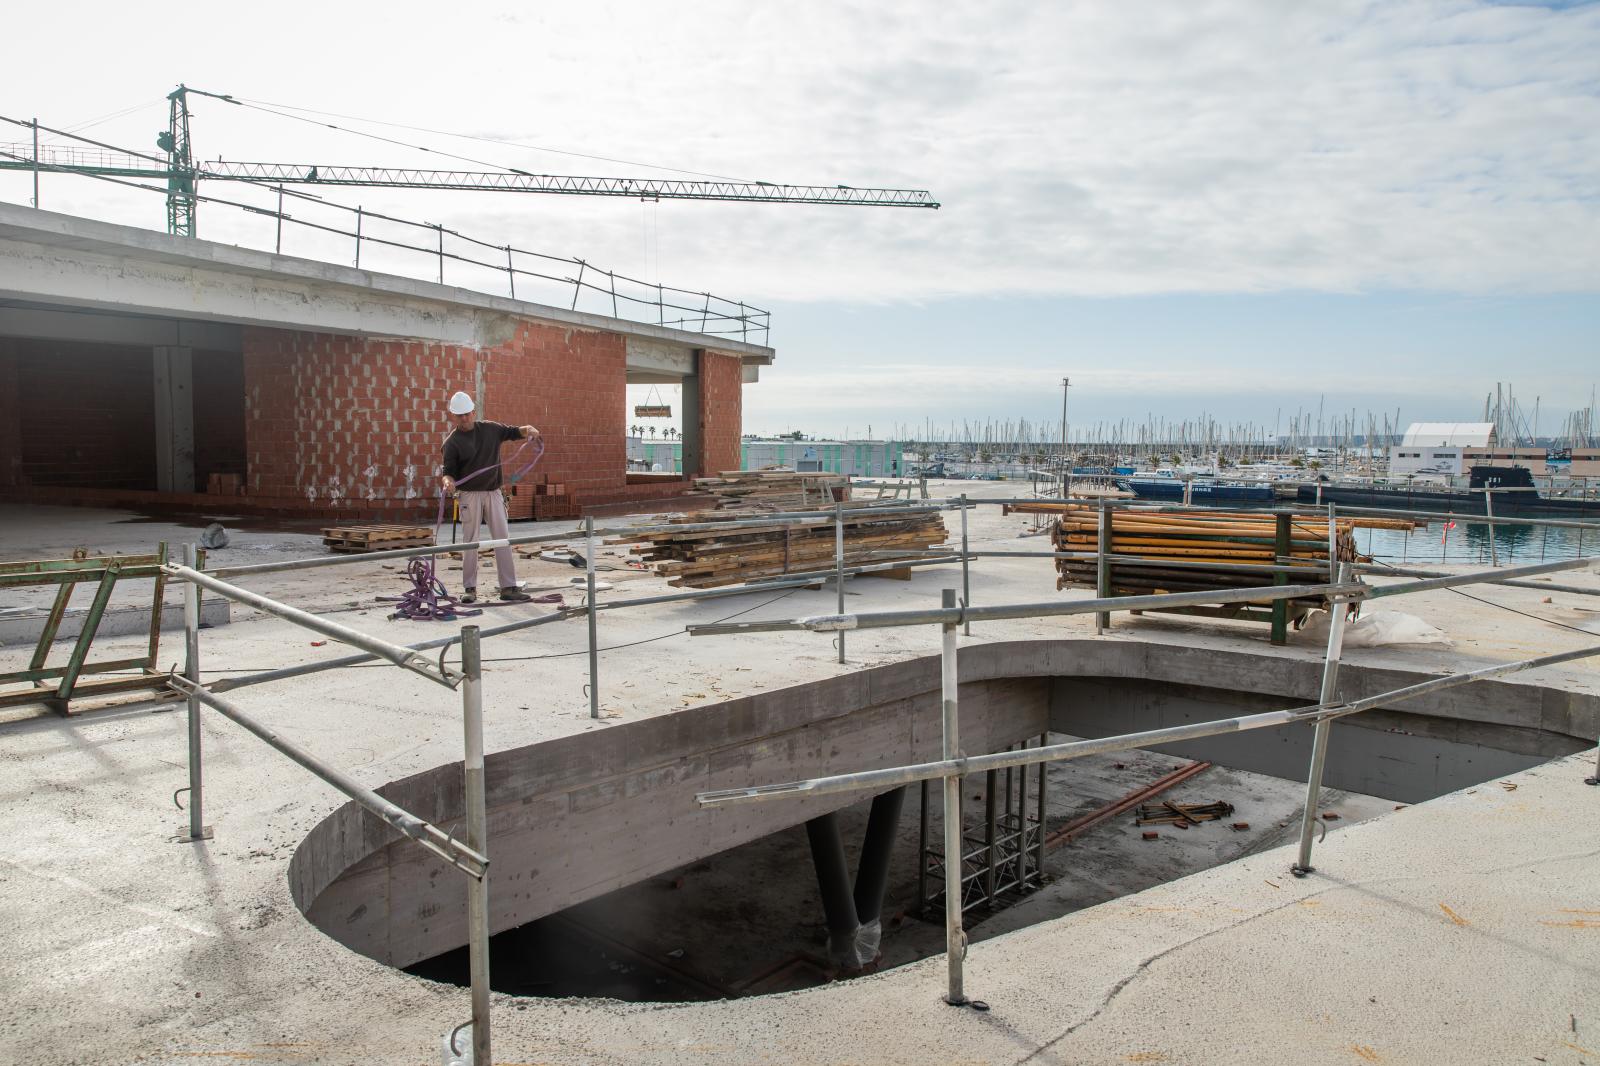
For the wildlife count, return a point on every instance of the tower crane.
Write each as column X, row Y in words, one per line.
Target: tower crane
column 183, row 174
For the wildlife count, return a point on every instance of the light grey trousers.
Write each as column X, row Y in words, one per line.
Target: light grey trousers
column 488, row 508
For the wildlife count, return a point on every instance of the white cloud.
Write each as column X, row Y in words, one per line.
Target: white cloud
column 1098, row 149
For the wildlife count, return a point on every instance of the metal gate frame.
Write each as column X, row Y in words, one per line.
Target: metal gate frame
column 68, row 679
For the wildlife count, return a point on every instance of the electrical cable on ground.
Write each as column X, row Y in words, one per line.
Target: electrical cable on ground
column 636, row 643
column 1504, row 607
column 521, row 658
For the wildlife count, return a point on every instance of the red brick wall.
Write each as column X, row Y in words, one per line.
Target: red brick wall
column 721, row 411
column 85, row 414
column 355, row 425
column 572, row 385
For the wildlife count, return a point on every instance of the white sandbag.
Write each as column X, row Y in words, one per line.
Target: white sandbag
column 1375, row 628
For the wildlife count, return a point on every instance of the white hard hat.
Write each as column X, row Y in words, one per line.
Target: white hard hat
column 461, row 404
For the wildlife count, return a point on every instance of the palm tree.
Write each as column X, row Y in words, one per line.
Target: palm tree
column 652, row 432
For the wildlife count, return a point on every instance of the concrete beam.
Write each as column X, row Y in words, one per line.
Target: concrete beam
column 68, row 261
column 98, row 327
column 652, row 361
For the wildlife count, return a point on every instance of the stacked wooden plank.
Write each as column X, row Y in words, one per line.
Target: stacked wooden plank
column 710, row 558
column 775, row 489
column 351, row 539
column 1190, row 540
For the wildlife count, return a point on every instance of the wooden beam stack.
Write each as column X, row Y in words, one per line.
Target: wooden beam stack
column 711, row 558
column 775, row 489
column 1159, row 539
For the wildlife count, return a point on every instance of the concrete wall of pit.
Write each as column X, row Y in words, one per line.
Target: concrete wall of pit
column 574, row 818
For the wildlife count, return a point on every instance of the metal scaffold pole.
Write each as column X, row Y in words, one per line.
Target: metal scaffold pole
column 838, row 564
column 966, row 568
column 594, row 633
column 477, row 840
column 1319, row 740
column 197, row 830
column 955, row 941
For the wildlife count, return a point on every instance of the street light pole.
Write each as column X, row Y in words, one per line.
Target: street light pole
column 1066, row 383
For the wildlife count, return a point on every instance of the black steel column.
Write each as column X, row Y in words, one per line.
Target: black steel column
column 833, row 880
column 872, row 878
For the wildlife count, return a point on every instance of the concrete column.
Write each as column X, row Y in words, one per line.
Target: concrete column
column 174, row 385
column 693, row 437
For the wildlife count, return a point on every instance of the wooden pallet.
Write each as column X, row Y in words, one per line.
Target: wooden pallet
column 353, row 539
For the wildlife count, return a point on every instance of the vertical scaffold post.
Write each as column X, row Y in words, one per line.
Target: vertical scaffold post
column 1102, row 568
column 1282, row 545
column 1044, row 786
column 838, row 564
column 197, row 830
column 1319, row 740
column 477, row 839
column 358, row 236
column 594, row 634
column 955, row 941
column 966, row 569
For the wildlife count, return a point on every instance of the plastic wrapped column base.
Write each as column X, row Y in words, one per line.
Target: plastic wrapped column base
column 860, row 949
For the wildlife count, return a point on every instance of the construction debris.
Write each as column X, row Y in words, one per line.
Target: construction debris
column 1182, row 814
column 710, row 558
column 1083, row 823
column 776, row 489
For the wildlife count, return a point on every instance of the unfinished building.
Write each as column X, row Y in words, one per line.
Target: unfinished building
column 134, row 366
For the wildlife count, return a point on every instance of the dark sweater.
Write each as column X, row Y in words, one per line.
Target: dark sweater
column 466, row 451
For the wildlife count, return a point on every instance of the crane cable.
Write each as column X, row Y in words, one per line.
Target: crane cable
column 272, row 109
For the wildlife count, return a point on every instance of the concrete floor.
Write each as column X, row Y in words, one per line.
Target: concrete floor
column 1459, row 930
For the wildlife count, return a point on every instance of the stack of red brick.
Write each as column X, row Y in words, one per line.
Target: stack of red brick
column 537, row 499
column 225, row 484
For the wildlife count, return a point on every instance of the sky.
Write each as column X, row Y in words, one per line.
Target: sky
column 1236, row 210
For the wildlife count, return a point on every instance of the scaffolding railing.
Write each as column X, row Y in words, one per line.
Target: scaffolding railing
column 469, row 856
column 953, row 765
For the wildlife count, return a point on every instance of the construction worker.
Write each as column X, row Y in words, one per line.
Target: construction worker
column 472, row 457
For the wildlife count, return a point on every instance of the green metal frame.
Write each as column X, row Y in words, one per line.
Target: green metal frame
column 68, row 680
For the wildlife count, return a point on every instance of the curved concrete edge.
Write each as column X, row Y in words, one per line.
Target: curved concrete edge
column 578, row 816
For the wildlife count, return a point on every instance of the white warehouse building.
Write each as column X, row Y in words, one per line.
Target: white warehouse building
column 1448, row 449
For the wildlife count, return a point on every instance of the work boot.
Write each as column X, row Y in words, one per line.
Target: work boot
column 469, row 595
column 513, row 594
